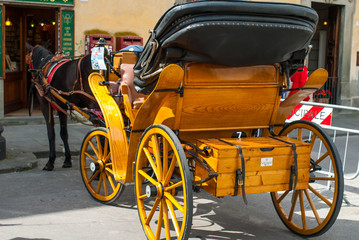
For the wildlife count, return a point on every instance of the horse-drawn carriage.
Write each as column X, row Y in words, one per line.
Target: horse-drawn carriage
column 207, row 114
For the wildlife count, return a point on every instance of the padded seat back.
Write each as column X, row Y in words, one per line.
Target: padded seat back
column 135, row 98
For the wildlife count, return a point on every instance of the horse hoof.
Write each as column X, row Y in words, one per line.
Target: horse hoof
column 48, row 168
column 67, row 164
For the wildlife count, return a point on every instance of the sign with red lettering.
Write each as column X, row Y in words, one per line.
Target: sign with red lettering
column 319, row 115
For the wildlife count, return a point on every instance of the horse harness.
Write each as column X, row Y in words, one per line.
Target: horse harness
column 41, row 79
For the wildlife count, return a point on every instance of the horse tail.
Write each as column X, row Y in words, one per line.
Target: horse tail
column 30, row 98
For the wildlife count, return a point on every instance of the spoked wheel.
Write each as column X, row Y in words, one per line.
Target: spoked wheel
column 96, row 167
column 312, row 211
column 163, row 185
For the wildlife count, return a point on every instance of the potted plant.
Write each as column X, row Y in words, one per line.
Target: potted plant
column 322, row 96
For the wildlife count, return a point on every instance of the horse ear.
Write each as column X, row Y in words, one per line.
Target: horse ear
column 29, row 47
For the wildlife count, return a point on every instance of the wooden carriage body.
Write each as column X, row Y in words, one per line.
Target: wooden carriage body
column 210, row 71
column 205, row 101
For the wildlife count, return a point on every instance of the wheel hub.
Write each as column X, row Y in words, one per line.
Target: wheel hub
column 155, row 191
column 151, row 191
column 94, row 166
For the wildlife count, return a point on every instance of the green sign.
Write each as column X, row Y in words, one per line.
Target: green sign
column 1, row 56
column 67, row 36
column 67, row 2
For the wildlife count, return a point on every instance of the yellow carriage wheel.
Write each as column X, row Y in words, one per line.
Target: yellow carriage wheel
column 163, row 185
column 312, row 211
column 96, row 167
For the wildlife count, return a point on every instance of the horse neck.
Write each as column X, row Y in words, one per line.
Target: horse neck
column 86, row 70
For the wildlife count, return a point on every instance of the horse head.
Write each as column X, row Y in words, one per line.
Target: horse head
column 37, row 56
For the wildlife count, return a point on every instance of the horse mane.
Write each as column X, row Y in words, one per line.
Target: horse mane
column 40, row 56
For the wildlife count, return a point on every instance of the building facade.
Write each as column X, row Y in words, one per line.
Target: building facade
column 36, row 22
column 62, row 25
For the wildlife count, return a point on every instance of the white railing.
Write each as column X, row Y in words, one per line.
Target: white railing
column 335, row 129
column 347, row 132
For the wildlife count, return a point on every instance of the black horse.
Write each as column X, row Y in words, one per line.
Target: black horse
column 70, row 78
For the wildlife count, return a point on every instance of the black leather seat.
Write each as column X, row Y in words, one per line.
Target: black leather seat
column 231, row 33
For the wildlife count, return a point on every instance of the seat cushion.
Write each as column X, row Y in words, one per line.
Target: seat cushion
column 127, row 79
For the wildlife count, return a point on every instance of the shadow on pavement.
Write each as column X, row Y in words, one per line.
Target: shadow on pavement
column 40, row 192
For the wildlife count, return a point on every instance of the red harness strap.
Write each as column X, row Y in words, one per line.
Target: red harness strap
column 50, row 74
column 54, row 68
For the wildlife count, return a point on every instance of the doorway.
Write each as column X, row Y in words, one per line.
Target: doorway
column 325, row 52
column 36, row 26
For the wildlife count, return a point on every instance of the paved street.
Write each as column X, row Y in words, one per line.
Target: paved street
column 55, row 205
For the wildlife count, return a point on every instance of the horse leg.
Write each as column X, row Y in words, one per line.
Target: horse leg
column 49, row 118
column 64, row 136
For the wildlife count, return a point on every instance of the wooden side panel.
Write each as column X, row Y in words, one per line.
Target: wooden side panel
column 204, row 74
column 267, row 182
column 158, row 108
column 225, row 160
column 242, row 107
column 220, row 97
column 253, row 146
column 170, row 78
column 230, row 165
